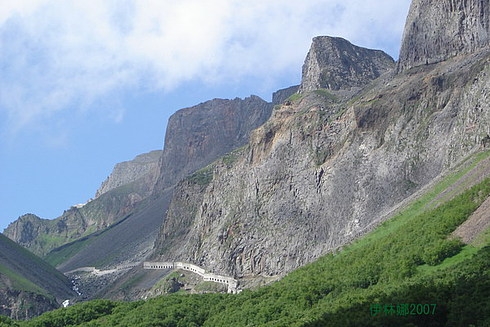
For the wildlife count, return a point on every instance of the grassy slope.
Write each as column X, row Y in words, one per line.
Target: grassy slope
column 17, row 282
column 27, row 272
column 407, row 260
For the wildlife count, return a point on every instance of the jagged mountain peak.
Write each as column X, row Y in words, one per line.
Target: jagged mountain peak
column 129, row 171
column 438, row 30
column 334, row 63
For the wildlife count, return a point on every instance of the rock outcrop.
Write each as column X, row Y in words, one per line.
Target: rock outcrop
column 438, row 30
column 327, row 166
column 334, row 63
column 144, row 166
column 197, row 136
column 122, row 222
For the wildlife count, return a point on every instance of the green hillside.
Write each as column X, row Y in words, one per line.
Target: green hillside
column 28, row 285
column 410, row 271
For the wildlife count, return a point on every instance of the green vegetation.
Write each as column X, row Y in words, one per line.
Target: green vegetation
column 213, row 287
column 203, row 176
column 295, row 97
column 169, row 284
column 410, row 262
column 482, row 239
column 77, row 314
column 230, row 158
column 16, row 274
column 326, row 94
column 19, row 283
column 63, row 253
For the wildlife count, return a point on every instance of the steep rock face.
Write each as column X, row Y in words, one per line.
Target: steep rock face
column 143, row 166
column 198, row 135
column 326, row 168
column 195, row 137
column 438, row 30
column 335, row 63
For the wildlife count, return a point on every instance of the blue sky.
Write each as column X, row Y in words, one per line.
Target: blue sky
column 87, row 84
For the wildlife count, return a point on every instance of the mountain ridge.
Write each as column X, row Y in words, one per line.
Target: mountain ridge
column 115, row 199
column 329, row 162
column 133, row 181
column 408, row 261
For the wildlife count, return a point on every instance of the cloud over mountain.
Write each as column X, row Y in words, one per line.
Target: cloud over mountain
column 70, row 54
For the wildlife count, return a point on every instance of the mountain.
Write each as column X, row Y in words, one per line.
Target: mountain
column 130, row 204
column 334, row 63
column 130, row 183
column 360, row 138
column 410, row 271
column 180, row 149
column 28, row 285
column 331, row 164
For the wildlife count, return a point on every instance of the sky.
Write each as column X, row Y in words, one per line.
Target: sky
column 87, row 84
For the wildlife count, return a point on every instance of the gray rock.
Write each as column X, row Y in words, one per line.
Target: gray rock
column 334, row 63
column 438, row 30
column 282, row 95
column 197, row 136
column 325, row 169
column 144, row 165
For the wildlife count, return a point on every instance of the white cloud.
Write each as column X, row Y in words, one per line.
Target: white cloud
column 60, row 55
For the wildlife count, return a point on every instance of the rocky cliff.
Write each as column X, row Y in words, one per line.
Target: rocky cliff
column 143, row 166
column 197, row 136
column 121, row 224
column 438, row 30
column 335, row 63
column 330, row 165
